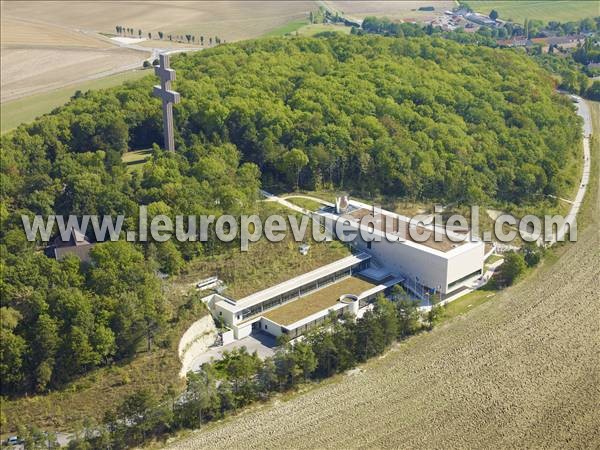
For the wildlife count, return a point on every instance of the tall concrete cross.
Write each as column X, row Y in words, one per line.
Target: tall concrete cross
column 169, row 97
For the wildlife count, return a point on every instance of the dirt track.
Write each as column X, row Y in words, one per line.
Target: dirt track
column 521, row 371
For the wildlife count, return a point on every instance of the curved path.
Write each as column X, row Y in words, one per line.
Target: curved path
column 583, row 111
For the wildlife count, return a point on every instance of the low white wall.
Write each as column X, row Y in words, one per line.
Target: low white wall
column 242, row 331
column 228, row 337
column 195, row 341
column 274, row 329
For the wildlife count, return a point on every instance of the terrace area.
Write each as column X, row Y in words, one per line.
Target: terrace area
column 316, row 301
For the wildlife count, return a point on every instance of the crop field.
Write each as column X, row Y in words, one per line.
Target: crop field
column 38, row 56
column 26, row 109
column 518, row 370
column 32, row 70
column 49, row 45
column 392, row 9
column 231, row 20
column 547, row 10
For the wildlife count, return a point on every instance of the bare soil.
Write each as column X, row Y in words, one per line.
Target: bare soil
column 46, row 45
column 230, row 20
column 30, row 70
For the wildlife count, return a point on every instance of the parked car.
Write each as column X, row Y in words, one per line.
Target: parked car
column 13, row 440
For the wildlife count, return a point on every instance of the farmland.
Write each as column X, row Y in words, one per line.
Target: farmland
column 26, row 109
column 520, row 369
column 558, row 10
column 393, row 9
column 30, row 67
column 38, row 56
column 47, row 45
column 230, row 20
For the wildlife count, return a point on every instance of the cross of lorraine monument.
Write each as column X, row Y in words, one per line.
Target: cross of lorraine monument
column 169, row 97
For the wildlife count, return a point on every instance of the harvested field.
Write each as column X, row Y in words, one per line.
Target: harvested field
column 18, row 32
column 47, row 45
column 26, row 109
column 29, row 70
column 37, row 56
column 230, row 20
column 392, row 9
column 519, row 370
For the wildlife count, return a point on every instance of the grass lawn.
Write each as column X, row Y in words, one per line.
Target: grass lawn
column 317, row 301
column 312, row 29
column 289, row 27
column 265, row 263
column 135, row 160
column 467, row 302
column 493, row 258
column 305, row 203
column 26, row 109
column 518, row 11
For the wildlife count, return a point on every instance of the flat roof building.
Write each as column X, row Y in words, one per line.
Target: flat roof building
column 297, row 304
column 442, row 263
column 389, row 249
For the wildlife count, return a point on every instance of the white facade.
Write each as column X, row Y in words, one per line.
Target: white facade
column 430, row 265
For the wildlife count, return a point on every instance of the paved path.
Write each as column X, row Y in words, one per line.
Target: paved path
column 283, row 201
column 583, row 111
column 273, row 198
column 261, row 343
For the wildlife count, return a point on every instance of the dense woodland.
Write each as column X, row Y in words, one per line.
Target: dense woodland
column 419, row 118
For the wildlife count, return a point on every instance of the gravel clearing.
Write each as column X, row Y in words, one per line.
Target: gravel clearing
column 520, row 371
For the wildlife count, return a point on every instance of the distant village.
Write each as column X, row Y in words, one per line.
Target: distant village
column 533, row 35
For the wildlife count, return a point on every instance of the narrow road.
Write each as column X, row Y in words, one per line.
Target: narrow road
column 583, row 111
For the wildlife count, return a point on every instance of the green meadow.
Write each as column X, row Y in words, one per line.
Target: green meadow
column 546, row 10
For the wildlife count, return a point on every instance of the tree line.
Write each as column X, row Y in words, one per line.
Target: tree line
column 241, row 378
column 188, row 37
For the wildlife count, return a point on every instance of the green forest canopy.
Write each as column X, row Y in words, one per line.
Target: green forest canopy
column 419, row 118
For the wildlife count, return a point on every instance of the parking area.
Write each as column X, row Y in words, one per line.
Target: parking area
column 261, row 343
